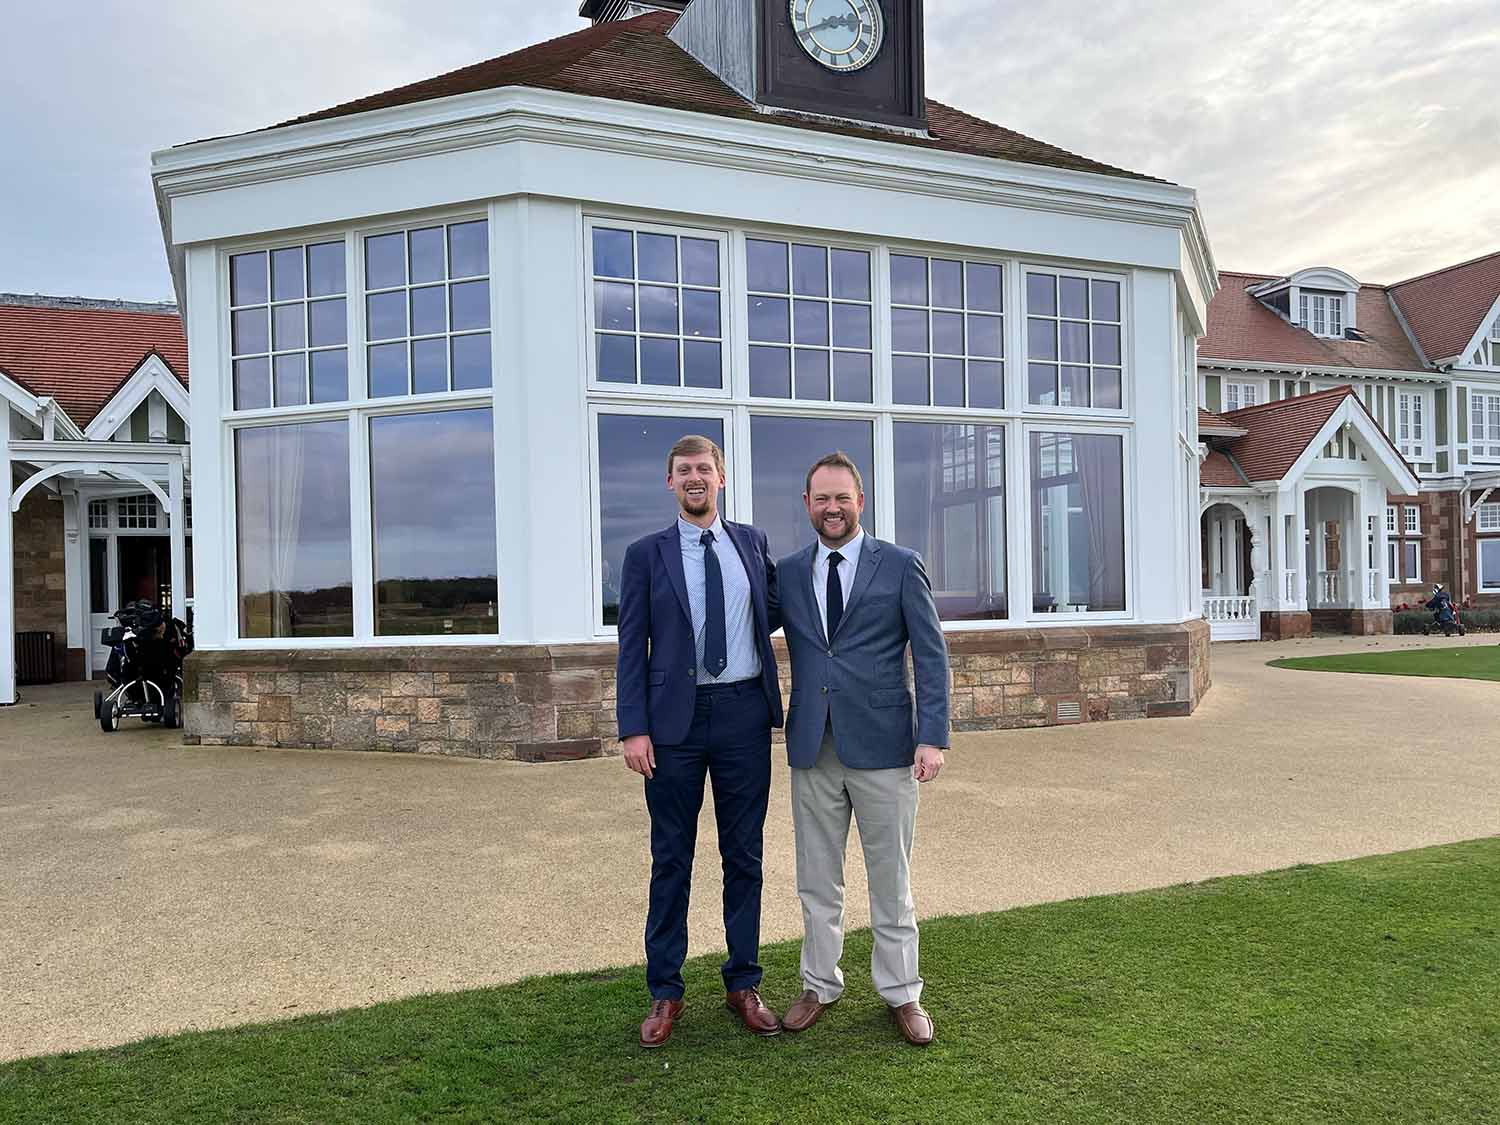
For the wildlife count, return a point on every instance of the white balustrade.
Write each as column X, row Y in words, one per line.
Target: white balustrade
column 1234, row 618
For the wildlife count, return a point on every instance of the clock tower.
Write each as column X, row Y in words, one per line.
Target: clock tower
column 857, row 60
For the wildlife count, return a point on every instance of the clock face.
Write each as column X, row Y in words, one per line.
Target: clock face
column 842, row 35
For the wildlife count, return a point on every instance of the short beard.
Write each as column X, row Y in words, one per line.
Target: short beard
column 851, row 529
column 696, row 508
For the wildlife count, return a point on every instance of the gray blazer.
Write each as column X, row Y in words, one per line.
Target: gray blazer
column 858, row 677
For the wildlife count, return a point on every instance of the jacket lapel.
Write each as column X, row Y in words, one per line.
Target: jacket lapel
column 869, row 562
column 669, row 545
column 805, row 560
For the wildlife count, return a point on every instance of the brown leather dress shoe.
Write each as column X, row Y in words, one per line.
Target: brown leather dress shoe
column 747, row 1004
column 805, row 1011
column 914, row 1022
column 658, row 1026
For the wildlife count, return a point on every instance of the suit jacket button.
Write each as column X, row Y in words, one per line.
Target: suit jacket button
column 692, row 672
column 825, row 689
column 830, row 652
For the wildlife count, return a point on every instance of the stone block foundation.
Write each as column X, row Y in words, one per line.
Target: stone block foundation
column 546, row 703
column 1277, row 626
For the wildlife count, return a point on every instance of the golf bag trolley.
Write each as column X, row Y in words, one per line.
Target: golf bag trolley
column 146, row 650
column 1445, row 618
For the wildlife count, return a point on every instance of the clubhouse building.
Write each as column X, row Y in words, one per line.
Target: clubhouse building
column 442, row 336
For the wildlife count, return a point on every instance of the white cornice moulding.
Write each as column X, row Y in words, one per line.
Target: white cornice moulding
column 1208, row 366
column 491, row 117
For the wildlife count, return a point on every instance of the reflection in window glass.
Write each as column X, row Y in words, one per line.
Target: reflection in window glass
column 98, row 575
column 947, row 330
column 950, row 509
column 810, row 322
column 292, row 506
column 287, row 317
column 407, row 301
column 634, row 499
column 1489, row 565
column 432, row 479
column 1077, row 523
column 1073, row 342
column 657, row 309
column 782, row 450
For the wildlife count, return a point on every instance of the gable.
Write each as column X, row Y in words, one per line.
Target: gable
column 1447, row 309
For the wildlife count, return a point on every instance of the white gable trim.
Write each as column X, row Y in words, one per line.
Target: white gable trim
column 1389, row 465
column 152, row 375
column 1479, row 334
column 40, row 409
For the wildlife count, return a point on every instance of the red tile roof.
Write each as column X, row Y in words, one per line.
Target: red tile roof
column 1218, row 471
column 82, row 356
column 1241, row 328
column 1216, row 424
column 1278, row 432
column 1445, row 308
column 633, row 60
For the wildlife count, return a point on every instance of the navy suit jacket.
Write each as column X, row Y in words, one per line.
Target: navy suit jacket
column 857, row 677
column 657, row 674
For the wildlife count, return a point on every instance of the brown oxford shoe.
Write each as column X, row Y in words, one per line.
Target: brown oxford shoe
column 914, row 1022
column 747, row 1004
column 658, row 1026
column 805, row 1011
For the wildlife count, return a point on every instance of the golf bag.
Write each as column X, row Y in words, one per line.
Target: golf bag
column 144, row 669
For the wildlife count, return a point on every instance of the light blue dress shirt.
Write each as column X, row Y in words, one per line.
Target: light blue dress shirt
column 739, row 619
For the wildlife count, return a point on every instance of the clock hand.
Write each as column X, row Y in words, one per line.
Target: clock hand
column 851, row 21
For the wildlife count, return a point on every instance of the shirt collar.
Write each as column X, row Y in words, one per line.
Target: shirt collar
column 691, row 534
column 849, row 551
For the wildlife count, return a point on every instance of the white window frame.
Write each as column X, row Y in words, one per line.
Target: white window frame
column 1026, row 591
column 1484, row 408
column 1414, row 428
column 1257, row 387
column 1411, row 520
column 354, row 412
column 1393, row 562
column 1006, row 315
column 736, row 468
column 729, row 277
column 1390, row 519
column 1416, row 546
column 1486, row 583
column 1322, row 314
column 1021, row 360
column 1488, row 517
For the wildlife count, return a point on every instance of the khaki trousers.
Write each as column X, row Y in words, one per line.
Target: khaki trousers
column 884, row 804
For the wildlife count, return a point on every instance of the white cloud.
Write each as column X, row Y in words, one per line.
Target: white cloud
column 1362, row 135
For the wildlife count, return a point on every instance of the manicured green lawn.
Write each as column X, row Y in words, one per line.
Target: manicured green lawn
column 1366, row 991
column 1476, row 662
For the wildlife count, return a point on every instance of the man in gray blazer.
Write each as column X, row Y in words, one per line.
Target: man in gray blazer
column 851, row 605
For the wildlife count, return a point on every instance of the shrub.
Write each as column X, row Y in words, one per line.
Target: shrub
column 1411, row 621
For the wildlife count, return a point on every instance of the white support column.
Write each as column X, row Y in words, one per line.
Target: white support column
column 1382, row 550
column 1273, row 597
column 73, row 571
column 7, row 567
column 1298, row 547
column 178, row 530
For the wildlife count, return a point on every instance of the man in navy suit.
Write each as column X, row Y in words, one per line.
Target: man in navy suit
column 696, row 697
column 853, row 606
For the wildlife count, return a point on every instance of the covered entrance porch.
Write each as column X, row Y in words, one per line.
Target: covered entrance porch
column 124, row 536
column 1292, row 519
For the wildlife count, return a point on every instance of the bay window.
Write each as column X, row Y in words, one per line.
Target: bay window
column 1484, row 425
column 1412, row 411
column 947, row 332
column 363, row 485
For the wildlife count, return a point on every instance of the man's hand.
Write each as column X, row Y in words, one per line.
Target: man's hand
column 640, row 755
column 929, row 762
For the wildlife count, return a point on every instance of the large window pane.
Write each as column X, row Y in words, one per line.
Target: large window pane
column 950, row 509
column 432, row 480
column 634, row 499
column 811, row 306
column 292, row 506
column 783, row 449
column 1077, row 523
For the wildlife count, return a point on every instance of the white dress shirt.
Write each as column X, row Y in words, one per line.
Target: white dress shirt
column 739, row 623
column 850, row 552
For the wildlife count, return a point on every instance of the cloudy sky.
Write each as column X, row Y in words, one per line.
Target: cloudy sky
column 1365, row 136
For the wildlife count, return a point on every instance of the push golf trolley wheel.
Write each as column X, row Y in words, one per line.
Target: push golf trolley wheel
column 107, row 707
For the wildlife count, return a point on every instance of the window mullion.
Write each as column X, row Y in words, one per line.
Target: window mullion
column 361, row 526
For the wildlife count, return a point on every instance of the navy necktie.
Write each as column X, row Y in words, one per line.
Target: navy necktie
column 835, row 594
column 715, row 644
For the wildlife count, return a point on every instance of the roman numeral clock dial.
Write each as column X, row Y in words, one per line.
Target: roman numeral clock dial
column 842, row 35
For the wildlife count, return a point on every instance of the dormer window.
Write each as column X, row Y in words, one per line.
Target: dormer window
column 1322, row 314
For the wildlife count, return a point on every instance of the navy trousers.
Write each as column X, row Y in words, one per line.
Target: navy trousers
column 729, row 743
